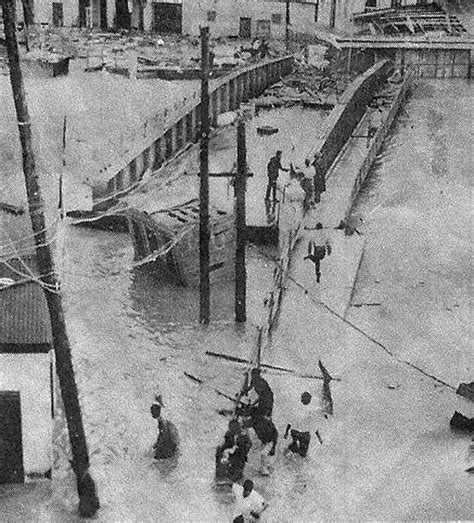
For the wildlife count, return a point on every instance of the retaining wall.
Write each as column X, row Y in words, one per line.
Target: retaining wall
column 378, row 140
column 351, row 107
column 225, row 95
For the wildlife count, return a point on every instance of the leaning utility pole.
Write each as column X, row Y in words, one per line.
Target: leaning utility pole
column 204, row 230
column 287, row 26
column 88, row 500
column 240, row 225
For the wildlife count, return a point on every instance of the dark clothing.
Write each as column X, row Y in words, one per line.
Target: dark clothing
column 238, row 458
column 264, row 405
column 271, row 189
column 273, row 170
column 307, row 187
column 319, row 183
column 166, row 445
column 300, row 444
column 316, row 253
column 239, row 447
column 273, row 167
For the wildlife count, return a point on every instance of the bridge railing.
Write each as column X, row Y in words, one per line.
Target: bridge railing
column 182, row 128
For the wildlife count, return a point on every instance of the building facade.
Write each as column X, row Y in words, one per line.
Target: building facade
column 26, row 356
column 26, row 389
column 248, row 18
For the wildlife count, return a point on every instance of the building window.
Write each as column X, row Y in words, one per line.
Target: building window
column 211, row 16
column 276, row 18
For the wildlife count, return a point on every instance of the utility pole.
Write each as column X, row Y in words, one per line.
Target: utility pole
column 287, row 26
column 204, row 230
column 88, row 500
column 240, row 225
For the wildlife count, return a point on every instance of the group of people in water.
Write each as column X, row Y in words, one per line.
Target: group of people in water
column 253, row 409
column 256, row 412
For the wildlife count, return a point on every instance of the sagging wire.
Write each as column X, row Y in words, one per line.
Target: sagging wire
column 319, row 302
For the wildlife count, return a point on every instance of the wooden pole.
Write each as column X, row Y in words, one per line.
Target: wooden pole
column 240, row 225
column 63, row 169
column 88, row 500
column 204, row 230
column 287, row 26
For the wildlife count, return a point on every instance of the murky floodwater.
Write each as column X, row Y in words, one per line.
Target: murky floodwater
column 416, row 209
column 134, row 333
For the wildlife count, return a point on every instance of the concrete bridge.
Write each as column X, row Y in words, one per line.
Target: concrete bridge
column 226, row 94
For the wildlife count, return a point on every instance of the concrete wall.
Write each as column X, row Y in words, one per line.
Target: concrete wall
column 345, row 116
column 226, row 95
column 29, row 374
column 379, row 138
column 229, row 12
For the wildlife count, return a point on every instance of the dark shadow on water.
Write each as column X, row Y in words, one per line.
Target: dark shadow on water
column 158, row 298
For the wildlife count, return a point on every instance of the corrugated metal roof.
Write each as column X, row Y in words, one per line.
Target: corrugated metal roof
column 24, row 316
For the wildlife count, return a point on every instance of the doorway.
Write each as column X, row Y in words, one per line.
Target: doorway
column 245, row 28
column 11, row 446
column 167, row 18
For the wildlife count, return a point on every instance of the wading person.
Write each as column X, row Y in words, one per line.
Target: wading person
column 273, row 170
column 301, row 427
column 318, row 246
column 167, row 442
column 232, row 454
column 225, row 449
column 263, row 406
column 249, row 504
column 238, row 455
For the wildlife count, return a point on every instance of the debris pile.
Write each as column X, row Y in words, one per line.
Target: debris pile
column 321, row 74
column 116, row 51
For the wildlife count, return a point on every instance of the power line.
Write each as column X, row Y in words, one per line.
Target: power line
column 316, row 301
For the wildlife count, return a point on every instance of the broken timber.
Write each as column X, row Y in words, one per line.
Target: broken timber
column 217, row 391
column 235, row 359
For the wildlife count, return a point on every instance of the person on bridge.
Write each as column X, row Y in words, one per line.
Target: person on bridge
column 307, row 185
column 318, row 246
column 319, row 179
column 273, row 170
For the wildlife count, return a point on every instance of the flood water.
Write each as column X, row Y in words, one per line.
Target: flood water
column 134, row 333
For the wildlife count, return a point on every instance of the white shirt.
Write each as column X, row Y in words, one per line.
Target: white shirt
column 304, row 418
column 254, row 502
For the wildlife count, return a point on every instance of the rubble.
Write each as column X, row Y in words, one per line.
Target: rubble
column 168, row 52
column 317, row 81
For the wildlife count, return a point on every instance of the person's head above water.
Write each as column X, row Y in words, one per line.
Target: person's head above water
column 248, row 487
column 306, row 398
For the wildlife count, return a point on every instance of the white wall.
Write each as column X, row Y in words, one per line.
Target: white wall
column 229, row 13
column 29, row 374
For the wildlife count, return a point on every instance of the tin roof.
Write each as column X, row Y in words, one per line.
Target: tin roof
column 24, row 319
